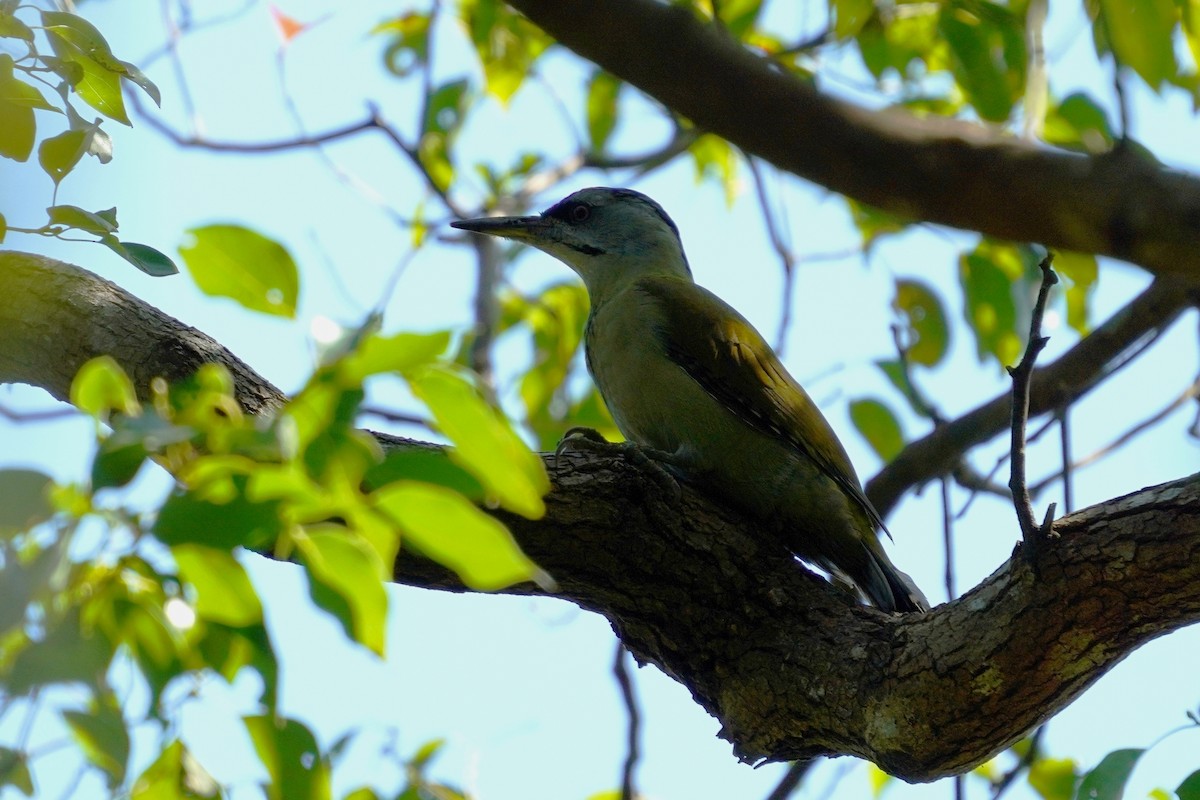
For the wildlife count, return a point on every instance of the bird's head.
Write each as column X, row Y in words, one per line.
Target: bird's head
column 610, row 237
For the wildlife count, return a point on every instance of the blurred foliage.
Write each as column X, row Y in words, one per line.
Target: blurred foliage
column 89, row 583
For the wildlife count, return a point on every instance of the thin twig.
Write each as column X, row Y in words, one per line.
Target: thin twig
column 1030, row 531
column 625, row 683
column 791, row 779
column 1023, row 764
column 1190, row 393
column 948, row 539
column 787, row 259
column 395, row 416
column 48, row 415
column 1064, row 447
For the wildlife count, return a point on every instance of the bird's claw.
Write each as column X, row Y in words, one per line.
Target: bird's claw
column 589, row 440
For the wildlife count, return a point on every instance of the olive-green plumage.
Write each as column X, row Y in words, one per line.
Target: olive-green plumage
column 686, row 375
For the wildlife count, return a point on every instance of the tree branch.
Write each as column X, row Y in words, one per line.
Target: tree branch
column 792, row 668
column 1062, row 382
column 945, row 171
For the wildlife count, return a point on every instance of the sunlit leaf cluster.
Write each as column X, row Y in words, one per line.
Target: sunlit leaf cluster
column 66, row 55
column 90, row 586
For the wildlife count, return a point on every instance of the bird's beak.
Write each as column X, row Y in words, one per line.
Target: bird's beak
column 523, row 229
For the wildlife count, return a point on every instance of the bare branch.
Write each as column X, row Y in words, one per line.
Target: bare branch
column 1021, row 374
column 632, row 752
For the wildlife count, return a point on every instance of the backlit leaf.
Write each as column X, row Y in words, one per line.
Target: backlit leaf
column 879, row 426
column 236, row 262
column 14, row 771
column 288, row 749
column 922, row 309
column 484, row 442
column 224, row 593
column 58, row 155
column 1082, row 272
column 98, row 83
column 1140, row 35
column 101, row 387
column 602, row 94
column 103, row 737
column 448, row 528
column 347, row 567
column 1053, row 778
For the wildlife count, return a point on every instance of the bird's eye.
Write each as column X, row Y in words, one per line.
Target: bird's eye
column 580, row 213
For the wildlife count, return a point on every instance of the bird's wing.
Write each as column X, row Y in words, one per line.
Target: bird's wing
column 732, row 362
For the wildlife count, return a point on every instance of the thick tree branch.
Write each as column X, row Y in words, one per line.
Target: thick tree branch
column 55, row 317
column 944, row 171
column 791, row 667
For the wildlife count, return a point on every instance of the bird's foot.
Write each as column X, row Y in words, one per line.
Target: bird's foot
column 656, row 462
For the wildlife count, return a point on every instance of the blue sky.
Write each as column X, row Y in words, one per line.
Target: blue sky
column 521, row 688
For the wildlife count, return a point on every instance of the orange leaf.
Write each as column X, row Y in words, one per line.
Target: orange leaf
column 288, row 27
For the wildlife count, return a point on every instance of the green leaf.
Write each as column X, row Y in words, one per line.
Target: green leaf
column 103, row 737
column 603, row 91
column 76, row 41
column 17, row 126
column 67, row 654
column 401, row 353
column 13, row 28
column 1079, row 122
column 451, row 530
column 289, row 751
column 1106, row 781
column 923, row 311
column 974, row 42
column 429, row 465
column 98, row 222
column 1140, row 35
column 484, row 443
column 136, row 76
column 149, row 260
column 3, row 227
column 224, row 593
column 873, row 223
column 101, row 387
column 714, row 158
column 116, row 463
column 1053, row 778
column 409, row 46
column 507, row 44
column 24, row 501
column 236, row 262
column 347, row 567
column 1082, row 271
column 445, row 110
column 850, row 16
column 1190, row 13
column 58, row 155
column 186, row 518
column 14, row 771
column 1190, row 788
column 174, row 775
column 987, row 276
column 879, row 426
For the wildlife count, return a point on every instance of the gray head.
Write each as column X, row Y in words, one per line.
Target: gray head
column 610, row 237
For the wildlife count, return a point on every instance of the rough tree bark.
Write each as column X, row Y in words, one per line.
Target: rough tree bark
column 791, row 667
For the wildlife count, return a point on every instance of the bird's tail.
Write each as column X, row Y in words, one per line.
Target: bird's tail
column 889, row 588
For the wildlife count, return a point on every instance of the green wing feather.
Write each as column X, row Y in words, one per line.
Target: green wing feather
column 732, row 362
